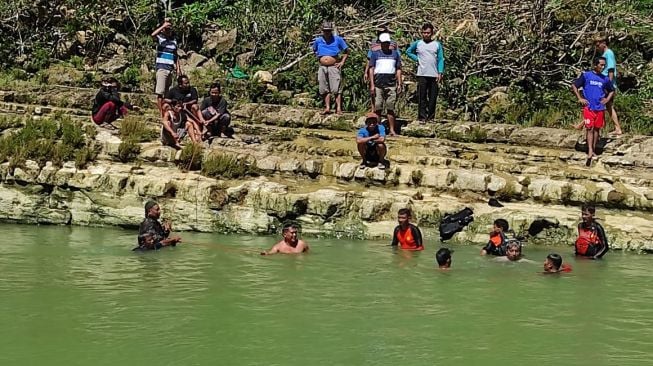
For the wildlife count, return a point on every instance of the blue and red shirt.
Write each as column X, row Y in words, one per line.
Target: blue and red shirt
column 595, row 87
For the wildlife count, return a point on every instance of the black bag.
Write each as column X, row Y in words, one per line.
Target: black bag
column 453, row 223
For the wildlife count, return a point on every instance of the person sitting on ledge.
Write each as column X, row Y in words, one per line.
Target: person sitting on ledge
column 371, row 142
column 151, row 234
column 107, row 106
column 214, row 111
column 188, row 97
column 290, row 244
column 175, row 125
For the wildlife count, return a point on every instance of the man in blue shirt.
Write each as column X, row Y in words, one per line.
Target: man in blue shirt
column 429, row 55
column 371, row 142
column 166, row 60
column 385, row 79
column 328, row 48
column 610, row 71
column 598, row 90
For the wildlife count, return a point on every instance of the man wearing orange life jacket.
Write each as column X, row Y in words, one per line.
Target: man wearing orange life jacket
column 592, row 242
column 406, row 235
column 497, row 243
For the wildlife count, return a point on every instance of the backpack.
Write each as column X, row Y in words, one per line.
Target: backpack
column 453, row 223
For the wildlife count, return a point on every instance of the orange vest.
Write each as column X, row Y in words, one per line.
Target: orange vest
column 586, row 238
column 406, row 239
column 496, row 239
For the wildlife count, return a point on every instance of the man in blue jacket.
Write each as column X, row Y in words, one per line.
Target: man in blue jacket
column 429, row 55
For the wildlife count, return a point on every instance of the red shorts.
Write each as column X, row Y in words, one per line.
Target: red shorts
column 593, row 119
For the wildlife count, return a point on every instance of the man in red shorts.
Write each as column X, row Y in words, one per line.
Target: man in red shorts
column 598, row 90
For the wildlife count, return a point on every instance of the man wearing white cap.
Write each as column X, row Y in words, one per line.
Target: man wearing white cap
column 385, row 79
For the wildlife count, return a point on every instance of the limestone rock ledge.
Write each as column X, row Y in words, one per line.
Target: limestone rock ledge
column 113, row 194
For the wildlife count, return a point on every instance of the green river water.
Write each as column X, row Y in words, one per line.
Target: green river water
column 79, row 296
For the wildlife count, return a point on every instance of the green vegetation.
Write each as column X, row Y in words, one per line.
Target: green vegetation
column 128, row 150
column 133, row 128
column 191, row 157
column 227, row 166
column 57, row 140
column 544, row 45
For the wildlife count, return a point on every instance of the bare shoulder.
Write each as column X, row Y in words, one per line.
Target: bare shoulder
column 302, row 245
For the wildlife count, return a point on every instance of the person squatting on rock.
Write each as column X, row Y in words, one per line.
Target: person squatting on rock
column 371, row 142
column 188, row 97
column 107, row 106
column 152, row 234
column 597, row 92
column 290, row 244
column 328, row 48
column 592, row 242
column 167, row 60
column 385, row 79
column 406, row 235
column 214, row 111
column 429, row 55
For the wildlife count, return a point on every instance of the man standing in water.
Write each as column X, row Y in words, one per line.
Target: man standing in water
column 153, row 235
column 290, row 244
column 327, row 48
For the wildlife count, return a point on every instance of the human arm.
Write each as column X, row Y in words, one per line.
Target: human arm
column 398, row 74
column 604, row 242
column 172, row 241
column 167, row 125
column 345, row 54
column 301, row 247
column 156, row 32
column 395, row 239
column 440, row 61
column 609, row 88
column 417, row 235
column 411, row 51
column 574, row 88
column 273, row 250
column 362, row 139
column 610, row 65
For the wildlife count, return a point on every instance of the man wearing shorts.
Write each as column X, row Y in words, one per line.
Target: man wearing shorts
column 610, row 71
column 385, row 79
column 597, row 92
column 166, row 61
column 327, row 48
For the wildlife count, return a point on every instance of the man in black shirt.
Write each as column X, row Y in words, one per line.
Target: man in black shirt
column 215, row 114
column 188, row 97
column 151, row 234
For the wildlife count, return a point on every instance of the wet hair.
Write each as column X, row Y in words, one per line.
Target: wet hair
column 148, row 205
column 405, row 211
column 598, row 59
column 502, row 223
column 513, row 243
column 427, row 26
column 215, row 85
column 556, row 259
column 443, row 256
column 589, row 208
column 182, row 77
column 289, row 226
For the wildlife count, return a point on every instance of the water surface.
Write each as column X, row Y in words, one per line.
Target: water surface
column 79, row 296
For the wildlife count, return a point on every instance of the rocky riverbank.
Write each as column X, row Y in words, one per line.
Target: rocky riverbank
column 307, row 169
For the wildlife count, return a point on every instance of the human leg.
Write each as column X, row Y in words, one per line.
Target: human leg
column 335, row 86
column 613, row 115
column 362, row 150
column 323, row 84
column 390, row 96
column 106, row 114
column 422, row 109
column 432, row 97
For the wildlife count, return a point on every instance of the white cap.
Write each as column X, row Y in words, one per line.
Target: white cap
column 384, row 37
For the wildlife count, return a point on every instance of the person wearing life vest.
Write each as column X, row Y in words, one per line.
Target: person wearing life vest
column 406, row 235
column 497, row 243
column 553, row 264
column 592, row 242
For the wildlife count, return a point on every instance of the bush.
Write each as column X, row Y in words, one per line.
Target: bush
column 134, row 129
column 128, row 150
column 219, row 165
column 191, row 157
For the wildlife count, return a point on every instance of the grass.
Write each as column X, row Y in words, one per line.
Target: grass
column 226, row 166
column 47, row 140
column 135, row 129
column 7, row 122
column 191, row 157
column 128, row 150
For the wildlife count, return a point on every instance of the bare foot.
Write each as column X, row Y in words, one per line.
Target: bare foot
column 339, row 113
column 392, row 133
column 325, row 112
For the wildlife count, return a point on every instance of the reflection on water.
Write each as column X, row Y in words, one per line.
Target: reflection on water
column 79, row 296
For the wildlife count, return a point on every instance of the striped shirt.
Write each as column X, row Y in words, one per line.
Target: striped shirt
column 166, row 53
